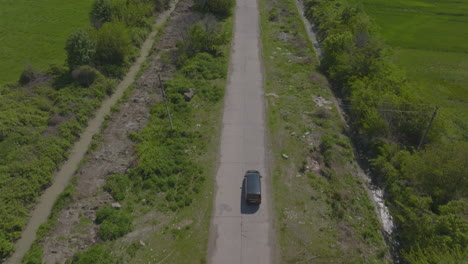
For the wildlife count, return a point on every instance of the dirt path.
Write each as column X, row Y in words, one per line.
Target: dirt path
column 62, row 178
column 242, row 233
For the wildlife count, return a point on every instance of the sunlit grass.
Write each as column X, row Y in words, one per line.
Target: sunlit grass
column 430, row 39
column 34, row 32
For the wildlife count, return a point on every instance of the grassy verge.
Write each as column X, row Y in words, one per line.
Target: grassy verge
column 323, row 209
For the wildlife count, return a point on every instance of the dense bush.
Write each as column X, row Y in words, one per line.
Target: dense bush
column 80, row 48
column 118, row 185
column 29, row 75
column 202, row 38
column 85, row 75
column 132, row 13
column 112, row 47
column 113, row 223
column 426, row 188
column 101, row 12
column 221, row 8
column 204, row 66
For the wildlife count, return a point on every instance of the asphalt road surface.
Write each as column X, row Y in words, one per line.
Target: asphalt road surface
column 242, row 233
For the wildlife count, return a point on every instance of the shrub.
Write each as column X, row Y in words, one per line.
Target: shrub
column 113, row 45
column 28, row 75
column 118, row 185
column 202, row 38
column 212, row 92
column 85, row 75
column 203, row 66
column 221, row 8
column 138, row 35
column 113, row 223
column 6, row 247
column 80, row 48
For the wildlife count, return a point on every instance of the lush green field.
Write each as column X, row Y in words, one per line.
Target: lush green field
column 430, row 39
column 34, row 32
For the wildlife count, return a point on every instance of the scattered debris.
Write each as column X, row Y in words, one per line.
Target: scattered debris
column 198, row 125
column 285, row 156
column 285, row 36
column 184, row 223
column 320, row 101
column 142, row 243
column 116, row 205
column 272, row 94
column 188, row 95
column 313, row 165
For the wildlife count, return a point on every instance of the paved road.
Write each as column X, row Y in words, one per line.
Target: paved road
column 242, row 233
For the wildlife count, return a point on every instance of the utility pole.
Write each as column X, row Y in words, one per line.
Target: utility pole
column 428, row 127
column 165, row 100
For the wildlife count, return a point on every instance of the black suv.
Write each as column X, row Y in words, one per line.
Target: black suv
column 253, row 192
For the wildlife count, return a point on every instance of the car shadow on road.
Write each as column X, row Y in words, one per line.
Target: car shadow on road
column 247, row 208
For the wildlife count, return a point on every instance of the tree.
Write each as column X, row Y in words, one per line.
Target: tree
column 440, row 172
column 101, row 13
column 80, row 48
column 113, row 45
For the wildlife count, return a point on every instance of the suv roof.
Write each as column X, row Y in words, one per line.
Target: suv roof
column 253, row 182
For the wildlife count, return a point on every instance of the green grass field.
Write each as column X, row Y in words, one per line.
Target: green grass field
column 35, row 31
column 430, row 39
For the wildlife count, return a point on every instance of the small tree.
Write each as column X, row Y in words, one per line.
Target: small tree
column 101, row 13
column 80, row 48
column 113, row 45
